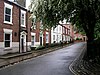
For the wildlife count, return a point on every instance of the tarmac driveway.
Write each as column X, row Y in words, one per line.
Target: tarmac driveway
column 54, row 63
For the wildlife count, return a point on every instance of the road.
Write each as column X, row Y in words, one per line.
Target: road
column 54, row 63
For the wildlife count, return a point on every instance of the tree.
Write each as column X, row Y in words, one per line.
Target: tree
column 97, row 30
column 83, row 13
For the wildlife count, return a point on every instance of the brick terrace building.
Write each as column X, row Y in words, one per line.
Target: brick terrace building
column 13, row 27
column 19, row 32
column 16, row 31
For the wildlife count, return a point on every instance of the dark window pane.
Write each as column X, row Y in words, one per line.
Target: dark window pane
column 7, row 18
column 22, row 16
column 22, row 19
column 7, row 37
column 32, row 40
column 22, row 22
column 32, row 37
column 7, row 43
column 7, row 40
column 8, row 11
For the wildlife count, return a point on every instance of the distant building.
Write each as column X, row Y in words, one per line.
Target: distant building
column 61, row 34
column 56, row 34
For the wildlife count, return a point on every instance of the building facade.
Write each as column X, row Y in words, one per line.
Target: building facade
column 17, row 32
column 61, row 34
column 13, row 28
column 56, row 34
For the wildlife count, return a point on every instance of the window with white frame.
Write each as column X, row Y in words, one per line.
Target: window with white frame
column 32, row 38
column 54, row 37
column 23, row 17
column 8, row 13
column 7, row 38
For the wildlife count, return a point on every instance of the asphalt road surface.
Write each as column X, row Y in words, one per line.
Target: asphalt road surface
column 54, row 63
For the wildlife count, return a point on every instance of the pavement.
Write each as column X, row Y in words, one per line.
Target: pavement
column 77, row 65
column 82, row 67
column 11, row 59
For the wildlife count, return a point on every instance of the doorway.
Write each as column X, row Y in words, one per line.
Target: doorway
column 23, row 43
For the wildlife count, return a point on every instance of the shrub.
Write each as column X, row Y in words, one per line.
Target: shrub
column 77, row 38
column 33, row 48
column 47, row 45
column 39, row 48
column 53, row 44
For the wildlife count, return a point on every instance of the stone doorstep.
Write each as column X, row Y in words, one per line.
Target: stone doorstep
column 14, row 55
column 46, row 50
column 27, row 53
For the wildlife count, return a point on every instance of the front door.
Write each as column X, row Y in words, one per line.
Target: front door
column 23, row 43
column 41, row 41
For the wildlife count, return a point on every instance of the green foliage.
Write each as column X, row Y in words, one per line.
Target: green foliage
column 97, row 30
column 40, row 48
column 83, row 13
column 32, row 48
column 78, row 38
column 54, row 44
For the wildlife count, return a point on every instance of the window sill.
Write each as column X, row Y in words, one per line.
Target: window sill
column 7, row 49
column 8, row 22
column 23, row 26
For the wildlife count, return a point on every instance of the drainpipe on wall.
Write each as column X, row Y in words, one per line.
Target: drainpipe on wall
column 19, row 29
column 26, row 30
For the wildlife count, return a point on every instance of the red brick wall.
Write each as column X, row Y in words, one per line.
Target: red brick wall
column 37, row 31
column 15, row 22
column 29, row 24
column 49, row 36
column 1, row 19
column 15, row 26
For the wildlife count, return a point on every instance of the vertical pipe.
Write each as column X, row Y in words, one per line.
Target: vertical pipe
column 26, row 30
column 19, row 29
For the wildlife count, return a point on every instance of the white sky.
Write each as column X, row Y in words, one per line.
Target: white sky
column 27, row 3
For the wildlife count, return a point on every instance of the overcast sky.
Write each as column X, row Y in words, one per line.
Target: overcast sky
column 27, row 3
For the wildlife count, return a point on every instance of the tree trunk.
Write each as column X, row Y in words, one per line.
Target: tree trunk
column 90, row 44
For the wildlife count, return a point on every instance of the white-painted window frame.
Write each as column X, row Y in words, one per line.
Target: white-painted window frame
column 10, row 7
column 33, row 34
column 8, row 31
column 23, row 12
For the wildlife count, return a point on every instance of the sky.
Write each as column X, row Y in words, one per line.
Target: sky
column 27, row 3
